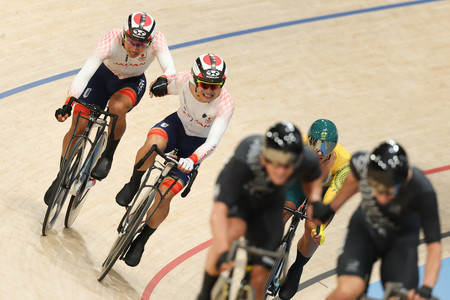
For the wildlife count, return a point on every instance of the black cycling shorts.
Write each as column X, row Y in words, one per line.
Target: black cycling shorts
column 362, row 248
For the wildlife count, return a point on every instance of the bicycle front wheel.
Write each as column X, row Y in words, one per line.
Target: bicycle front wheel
column 128, row 229
column 246, row 293
column 77, row 201
column 274, row 279
column 65, row 180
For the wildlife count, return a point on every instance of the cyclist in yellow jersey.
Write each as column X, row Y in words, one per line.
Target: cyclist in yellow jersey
column 334, row 162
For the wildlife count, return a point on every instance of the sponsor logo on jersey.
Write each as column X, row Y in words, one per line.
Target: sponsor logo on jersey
column 87, row 92
column 143, row 57
column 141, row 85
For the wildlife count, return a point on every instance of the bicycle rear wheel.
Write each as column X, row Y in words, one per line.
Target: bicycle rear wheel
column 64, row 181
column 77, row 201
column 130, row 225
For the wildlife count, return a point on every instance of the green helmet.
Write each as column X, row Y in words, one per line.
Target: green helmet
column 323, row 136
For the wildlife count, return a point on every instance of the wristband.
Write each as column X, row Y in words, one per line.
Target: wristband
column 424, row 291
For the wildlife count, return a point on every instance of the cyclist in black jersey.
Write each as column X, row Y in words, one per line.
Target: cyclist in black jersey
column 397, row 200
column 250, row 196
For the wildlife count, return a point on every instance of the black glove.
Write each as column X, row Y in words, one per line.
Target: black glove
column 424, row 291
column 321, row 211
column 65, row 110
column 222, row 258
column 159, row 88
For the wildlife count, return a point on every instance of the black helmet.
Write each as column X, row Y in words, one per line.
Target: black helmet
column 283, row 144
column 388, row 166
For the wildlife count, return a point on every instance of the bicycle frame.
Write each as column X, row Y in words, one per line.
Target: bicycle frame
column 132, row 222
column 70, row 168
column 223, row 286
column 94, row 120
column 279, row 269
column 164, row 169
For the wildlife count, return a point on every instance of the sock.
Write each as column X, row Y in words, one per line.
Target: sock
column 136, row 177
column 145, row 234
column 300, row 261
column 111, row 147
column 208, row 284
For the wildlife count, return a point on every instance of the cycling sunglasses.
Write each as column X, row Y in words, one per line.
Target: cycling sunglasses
column 383, row 189
column 136, row 44
column 207, row 85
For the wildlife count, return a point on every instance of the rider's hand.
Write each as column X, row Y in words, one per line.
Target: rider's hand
column 159, row 87
column 186, row 165
column 222, row 264
column 61, row 114
column 318, row 239
column 321, row 211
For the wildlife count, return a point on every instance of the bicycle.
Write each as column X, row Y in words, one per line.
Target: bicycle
column 133, row 221
column 81, row 155
column 277, row 273
column 394, row 290
column 223, row 289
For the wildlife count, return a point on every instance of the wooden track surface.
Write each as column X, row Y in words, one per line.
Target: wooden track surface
column 379, row 69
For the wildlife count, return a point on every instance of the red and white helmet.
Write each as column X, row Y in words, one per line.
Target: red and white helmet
column 209, row 68
column 140, row 26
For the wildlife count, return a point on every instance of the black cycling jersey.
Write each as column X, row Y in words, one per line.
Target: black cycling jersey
column 245, row 187
column 389, row 232
column 414, row 206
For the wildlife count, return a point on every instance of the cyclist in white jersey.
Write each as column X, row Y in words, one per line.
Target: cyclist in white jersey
column 195, row 129
column 114, row 73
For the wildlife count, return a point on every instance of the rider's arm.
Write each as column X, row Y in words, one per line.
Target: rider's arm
column 159, row 46
column 348, row 189
column 429, row 215
column 220, row 124
column 100, row 53
column 218, row 221
column 228, row 193
column 309, row 173
column 433, row 264
column 313, row 189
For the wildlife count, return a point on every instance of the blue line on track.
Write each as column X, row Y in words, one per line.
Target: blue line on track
column 227, row 35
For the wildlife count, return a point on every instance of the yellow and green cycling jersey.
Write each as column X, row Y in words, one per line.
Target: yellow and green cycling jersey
column 332, row 183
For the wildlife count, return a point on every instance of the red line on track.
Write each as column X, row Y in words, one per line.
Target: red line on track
column 174, row 263
column 169, row 267
column 436, row 170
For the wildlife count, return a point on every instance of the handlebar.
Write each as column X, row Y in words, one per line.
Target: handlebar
column 97, row 111
column 169, row 158
column 297, row 213
column 252, row 250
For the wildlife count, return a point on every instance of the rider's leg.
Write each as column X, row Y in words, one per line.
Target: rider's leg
column 258, row 281
column 127, row 193
column 120, row 103
column 158, row 213
column 349, row 287
column 306, row 247
column 82, row 123
column 236, row 228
